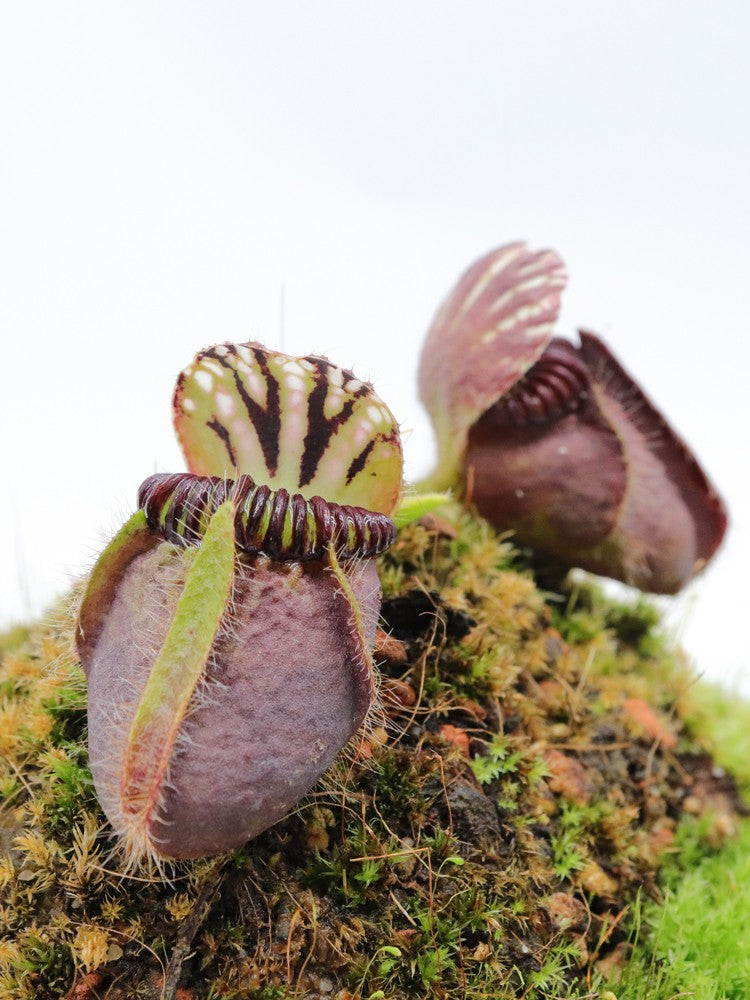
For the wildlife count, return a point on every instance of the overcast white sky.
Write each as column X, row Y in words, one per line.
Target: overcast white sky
column 166, row 168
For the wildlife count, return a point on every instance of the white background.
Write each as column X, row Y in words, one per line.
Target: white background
column 165, row 169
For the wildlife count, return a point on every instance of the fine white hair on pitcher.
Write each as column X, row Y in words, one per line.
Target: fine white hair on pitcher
column 141, row 833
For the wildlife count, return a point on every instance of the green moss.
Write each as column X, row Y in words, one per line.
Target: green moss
column 721, row 720
column 519, row 798
column 13, row 638
column 697, row 943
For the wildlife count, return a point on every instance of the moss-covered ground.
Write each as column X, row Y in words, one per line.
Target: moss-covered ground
column 544, row 806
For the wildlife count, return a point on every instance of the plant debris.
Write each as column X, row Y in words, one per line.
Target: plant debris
column 516, row 792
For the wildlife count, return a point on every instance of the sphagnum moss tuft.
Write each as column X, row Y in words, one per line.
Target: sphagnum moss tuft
column 491, row 834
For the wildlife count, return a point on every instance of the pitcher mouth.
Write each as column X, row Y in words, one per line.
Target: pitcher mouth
column 284, row 526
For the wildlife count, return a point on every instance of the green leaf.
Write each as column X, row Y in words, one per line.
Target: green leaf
column 179, row 664
column 412, row 508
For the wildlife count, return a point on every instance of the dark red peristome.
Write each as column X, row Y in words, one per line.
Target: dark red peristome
column 179, row 506
column 579, row 462
column 557, row 384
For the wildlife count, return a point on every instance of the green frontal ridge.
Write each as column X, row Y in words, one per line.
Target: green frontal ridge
column 179, row 667
column 415, row 506
column 132, row 539
column 131, row 535
column 360, row 654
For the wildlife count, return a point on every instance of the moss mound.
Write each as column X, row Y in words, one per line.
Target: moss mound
column 537, row 760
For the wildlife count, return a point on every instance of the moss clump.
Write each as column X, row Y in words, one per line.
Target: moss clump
column 521, row 787
column 696, row 940
column 695, row 943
